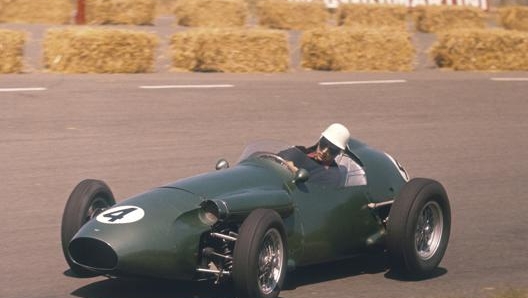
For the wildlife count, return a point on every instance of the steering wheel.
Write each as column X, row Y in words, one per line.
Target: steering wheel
column 276, row 159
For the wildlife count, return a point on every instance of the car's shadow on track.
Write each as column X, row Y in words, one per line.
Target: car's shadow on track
column 153, row 288
column 125, row 288
column 366, row 264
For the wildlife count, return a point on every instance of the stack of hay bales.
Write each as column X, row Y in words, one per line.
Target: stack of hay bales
column 357, row 49
column 479, row 49
column 36, row 11
column 88, row 50
column 11, row 50
column 394, row 16
column 211, row 13
column 230, row 50
column 133, row 12
column 514, row 17
column 438, row 18
column 283, row 14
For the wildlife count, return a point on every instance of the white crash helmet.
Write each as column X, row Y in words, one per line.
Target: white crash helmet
column 337, row 134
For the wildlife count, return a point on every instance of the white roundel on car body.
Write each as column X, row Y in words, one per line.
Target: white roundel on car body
column 121, row 215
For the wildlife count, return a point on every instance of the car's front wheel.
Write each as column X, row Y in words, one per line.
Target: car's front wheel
column 260, row 255
column 419, row 227
column 88, row 198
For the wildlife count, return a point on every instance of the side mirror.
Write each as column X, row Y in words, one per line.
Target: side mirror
column 222, row 164
column 302, row 175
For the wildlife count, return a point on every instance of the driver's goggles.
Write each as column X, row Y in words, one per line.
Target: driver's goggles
column 332, row 149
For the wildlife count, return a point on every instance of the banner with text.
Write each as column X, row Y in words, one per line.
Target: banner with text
column 483, row 4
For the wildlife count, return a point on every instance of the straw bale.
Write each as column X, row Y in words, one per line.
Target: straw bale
column 36, row 11
column 132, row 12
column 357, row 49
column 378, row 15
column 11, row 50
column 211, row 13
column 165, row 7
column 479, row 49
column 437, row 18
column 89, row 50
column 514, row 17
column 282, row 14
column 230, row 50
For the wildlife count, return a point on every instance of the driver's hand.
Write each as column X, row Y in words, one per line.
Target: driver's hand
column 292, row 166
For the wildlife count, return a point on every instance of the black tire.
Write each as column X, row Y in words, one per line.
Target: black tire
column 87, row 199
column 261, row 232
column 418, row 228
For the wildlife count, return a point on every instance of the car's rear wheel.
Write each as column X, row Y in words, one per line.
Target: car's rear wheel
column 419, row 227
column 88, row 198
column 260, row 255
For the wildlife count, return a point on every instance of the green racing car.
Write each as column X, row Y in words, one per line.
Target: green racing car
column 252, row 223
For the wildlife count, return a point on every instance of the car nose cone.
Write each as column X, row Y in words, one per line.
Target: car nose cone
column 153, row 234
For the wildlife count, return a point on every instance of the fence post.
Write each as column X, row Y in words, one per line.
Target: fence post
column 79, row 16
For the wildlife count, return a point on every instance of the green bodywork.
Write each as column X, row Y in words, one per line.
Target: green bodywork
column 322, row 223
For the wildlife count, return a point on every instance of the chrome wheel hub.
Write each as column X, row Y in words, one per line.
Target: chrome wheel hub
column 271, row 256
column 429, row 228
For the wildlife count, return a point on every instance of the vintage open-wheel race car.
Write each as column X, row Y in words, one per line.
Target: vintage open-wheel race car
column 251, row 223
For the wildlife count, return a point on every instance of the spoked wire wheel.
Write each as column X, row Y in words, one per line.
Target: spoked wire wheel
column 270, row 261
column 260, row 254
column 419, row 227
column 429, row 230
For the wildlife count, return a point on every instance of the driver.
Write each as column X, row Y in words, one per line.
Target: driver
column 332, row 142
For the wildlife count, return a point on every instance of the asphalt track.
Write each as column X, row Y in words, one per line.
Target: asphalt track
column 467, row 130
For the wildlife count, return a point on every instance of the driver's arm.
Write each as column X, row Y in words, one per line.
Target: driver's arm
column 292, row 166
column 289, row 155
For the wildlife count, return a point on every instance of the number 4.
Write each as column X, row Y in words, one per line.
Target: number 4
column 119, row 214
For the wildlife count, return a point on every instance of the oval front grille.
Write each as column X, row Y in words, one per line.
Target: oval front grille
column 93, row 253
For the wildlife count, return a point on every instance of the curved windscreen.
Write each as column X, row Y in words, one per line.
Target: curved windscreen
column 268, row 146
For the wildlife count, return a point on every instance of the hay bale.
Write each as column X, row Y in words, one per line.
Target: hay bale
column 357, row 49
column 36, row 11
column 514, row 17
column 230, row 50
column 282, row 14
column 437, row 18
column 88, row 50
column 165, row 7
column 211, row 13
column 132, row 12
column 378, row 15
column 11, row 50
column 480, row 49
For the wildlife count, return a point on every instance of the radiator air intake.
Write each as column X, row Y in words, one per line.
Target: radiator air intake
column 93, row 253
